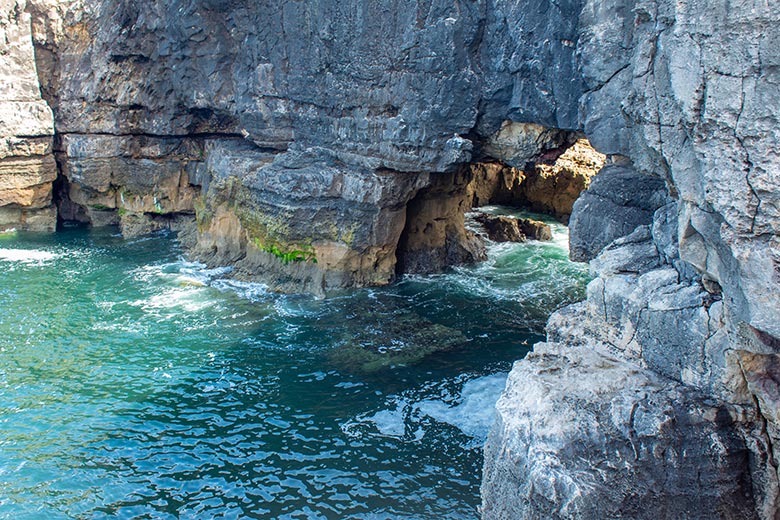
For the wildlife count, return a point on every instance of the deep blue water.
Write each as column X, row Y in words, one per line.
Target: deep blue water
column 134, row 384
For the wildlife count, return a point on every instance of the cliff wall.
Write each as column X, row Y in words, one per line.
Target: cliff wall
column 27, row 167
column 291, row 139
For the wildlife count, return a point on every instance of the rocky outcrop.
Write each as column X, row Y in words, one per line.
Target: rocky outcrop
column 626, row 406
column 667, row 318
column 309, row 138
column 535, row 229
column 610, row 440
column 27, row 167
column 500, row 228
column 435, row 235
column 552, row 170
column 619, row 199
column 299, row 221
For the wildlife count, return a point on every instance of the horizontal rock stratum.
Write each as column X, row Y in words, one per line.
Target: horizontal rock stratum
column 292, row 138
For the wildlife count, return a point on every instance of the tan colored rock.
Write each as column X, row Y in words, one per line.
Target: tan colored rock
column 553, row 188
column 495, row 183
column 136, row 174
column 27, row 166
column 501, row 228
column 14, row 217
column 33, row 197
column 23, row 172
column 15, row 146
column 435, row 235
column 516, row 144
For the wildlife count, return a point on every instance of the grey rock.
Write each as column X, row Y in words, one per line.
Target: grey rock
column 610, row 440
column 618, row 200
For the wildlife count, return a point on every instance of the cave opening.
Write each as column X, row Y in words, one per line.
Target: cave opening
column 523, row 166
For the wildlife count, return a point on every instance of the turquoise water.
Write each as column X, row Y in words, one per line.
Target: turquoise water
column 134, row 384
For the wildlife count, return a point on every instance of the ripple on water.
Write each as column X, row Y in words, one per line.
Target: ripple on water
column 134, row 384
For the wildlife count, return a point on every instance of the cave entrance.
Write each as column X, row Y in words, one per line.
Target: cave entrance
column 548, row 182
column 524, row 166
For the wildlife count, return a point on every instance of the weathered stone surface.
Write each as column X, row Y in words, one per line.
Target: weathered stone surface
column 618, row 200
column 494, row 183
column 650, row 316
column 23, row 172
column 610, row 439
column 500, row 228
column 552, row 186
column 141, row 178
column 27, row 167
column 552, row 176
column 517, row 144
column 302, row 220
column 535, row 229
column 434, row 234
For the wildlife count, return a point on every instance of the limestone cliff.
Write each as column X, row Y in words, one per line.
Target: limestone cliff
column 657, row 397
column 315, row 143
column 27, row 168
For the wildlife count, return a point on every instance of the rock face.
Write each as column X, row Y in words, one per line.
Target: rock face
column 509, row 229
column 667, row 373
column 553, row 186
column 435, row 235
column 618, row 200
column 550, row 177
column 313, row 143
column 642, row 438
column 27, row 167
column 301, row 221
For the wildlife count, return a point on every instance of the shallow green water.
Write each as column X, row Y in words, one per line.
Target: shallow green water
column 134, row 384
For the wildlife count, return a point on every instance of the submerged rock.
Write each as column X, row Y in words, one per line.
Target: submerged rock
column 377, row 344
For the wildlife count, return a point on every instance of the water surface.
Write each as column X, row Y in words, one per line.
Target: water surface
column 135, row 384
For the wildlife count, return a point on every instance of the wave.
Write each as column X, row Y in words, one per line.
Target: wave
column 27, row 256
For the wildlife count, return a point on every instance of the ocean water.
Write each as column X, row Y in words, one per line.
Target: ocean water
column 136, row 384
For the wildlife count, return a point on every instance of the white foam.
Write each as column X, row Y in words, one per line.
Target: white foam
column 475, row 412
column 248, row 290
column 391, row 423
column 27, row 256
column 472, row 412
column 190, row 299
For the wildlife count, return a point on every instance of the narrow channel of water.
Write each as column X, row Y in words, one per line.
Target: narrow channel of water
column 134, row 384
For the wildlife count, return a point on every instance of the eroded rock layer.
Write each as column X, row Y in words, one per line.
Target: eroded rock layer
column 27, row 167
column 304, row 141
